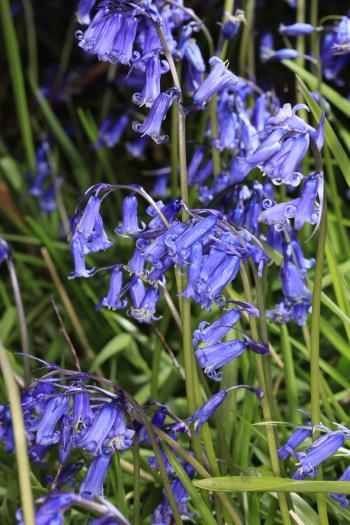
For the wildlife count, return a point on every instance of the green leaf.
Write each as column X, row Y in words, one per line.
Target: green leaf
column 114, row 346
column 11, row 172
column 8, row 323
column 271, row 484
column 329, row 93
column 335, row 146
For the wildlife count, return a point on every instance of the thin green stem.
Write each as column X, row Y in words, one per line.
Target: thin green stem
column 315, row 344
column 137, row 504
column 16, row 72
column 314, row 22
column 214, row 135
column 21, row 318
column 181, row 115
column 31, row 39
column 20, row 439
column 246, row 54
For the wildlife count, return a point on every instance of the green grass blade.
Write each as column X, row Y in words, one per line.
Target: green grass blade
column 16, row 72
column 271, row 484
column 329, row 93
column 335, row 146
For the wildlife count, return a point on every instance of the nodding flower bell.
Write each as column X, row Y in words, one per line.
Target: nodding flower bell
column 55, row 409
column 95, row 437
column 153, row 122
column 211, row 358
column 5, row 251
column 110, row 35
column 298, row 29
column 83, row 11
column 288, row 449
column 130, row 220
column 111, row 131
column 147, row 308
column 323, row 448
column 341, row 498
column 92, row 484
column 88, row 230
column 112, row 299
column 218, row 78
column 202, row 415
column 153, row 68
column 52, row 508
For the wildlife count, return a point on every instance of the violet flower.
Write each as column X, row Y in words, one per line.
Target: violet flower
column 218, row 78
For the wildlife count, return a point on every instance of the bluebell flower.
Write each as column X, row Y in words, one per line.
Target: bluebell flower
column 92, row 485
column 153, row 68
column 294, row 285
column 52, row 508
column 145, row 312
column 120, row 437
column 294, row 440
column 37, row 453
column 278, row 215
column 224, row 273
column 82, row 413
column 77, row 248
column 137, row 293
column 298, row 29
column 218, row 78
column 67, row 476
column 286, row 54
column 307, row 208
column 56, row 408
column 130, row 219
column 111, row 131
column 195, row 264
column 211, row 358
column 199, row 177
column 88, row 228
column 137, row 262
column 228, row 124
column 230, row 29
column 194, row 233
column 202, row 415
column 113, row 299
column 153, row 122
column 163, row 514
column 93, row 438
column 323, row 448
column 83, row 11
column 47, row 199
column 341, row 498
column 136, row 148
column 195, row 162
column 5, row 251
column 266, row 46
column 110, row 35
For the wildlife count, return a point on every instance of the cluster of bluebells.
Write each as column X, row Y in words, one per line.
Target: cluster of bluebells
column 271, row 142
column 205, row 247
column 313, row 453
column 64, row 411
column 264, row 135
